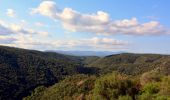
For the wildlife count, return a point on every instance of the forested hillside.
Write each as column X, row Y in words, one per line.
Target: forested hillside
column 23, row 70
column 114, row 86
column 55, row 76
column 133, row 64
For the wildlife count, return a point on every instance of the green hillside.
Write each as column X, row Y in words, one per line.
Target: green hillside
column 133, row 64
column 113, row 86
column 55, row 76
column 22, row 70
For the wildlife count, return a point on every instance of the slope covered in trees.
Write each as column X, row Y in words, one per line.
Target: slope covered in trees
column 22, row 70
column 90, row 78
column 133, row 64
column 114, row 86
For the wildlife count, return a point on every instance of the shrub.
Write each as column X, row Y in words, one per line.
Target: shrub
column 165, row 86
column 148, row 77
column 151, row 88
column 111, row 86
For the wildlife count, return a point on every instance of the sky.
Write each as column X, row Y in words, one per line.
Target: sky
column 138, row 26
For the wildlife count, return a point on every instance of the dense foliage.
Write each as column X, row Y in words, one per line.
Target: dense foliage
column 23, row 70
column 72, row 88
column 133, row 64
column 55, row 76
column 112, row 86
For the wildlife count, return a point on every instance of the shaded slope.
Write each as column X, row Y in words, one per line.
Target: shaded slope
column 22, row 70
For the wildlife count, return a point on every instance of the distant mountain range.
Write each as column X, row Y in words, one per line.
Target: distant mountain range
column 87, row 53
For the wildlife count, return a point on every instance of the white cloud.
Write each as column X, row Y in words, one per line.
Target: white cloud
column 19, row 29
column 91, row 44
column 16, row 35
column 11, row 13
column 28, row 42
column 8, row 29
column 47, row 8
column 98, row 23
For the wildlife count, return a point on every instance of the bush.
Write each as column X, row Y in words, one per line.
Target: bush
column 148, row 77
column 111, row 86
column 159, row 90
column 165, row 86
column 151, row 88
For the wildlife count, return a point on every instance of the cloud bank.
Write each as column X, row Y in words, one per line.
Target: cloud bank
column 27, row 41
column 98, row 23
column 8, row 29
column 19, row 36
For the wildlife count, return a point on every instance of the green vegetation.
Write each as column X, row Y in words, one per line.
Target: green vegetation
column 156, row 88
column 112, row 86
column 22, row 70
column 77, row 86
column 39, row 75
column 132, row 64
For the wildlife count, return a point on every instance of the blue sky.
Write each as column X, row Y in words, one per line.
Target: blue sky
column 114, row 25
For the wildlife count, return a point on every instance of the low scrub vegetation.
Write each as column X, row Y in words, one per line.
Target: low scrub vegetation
column 113, row 86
